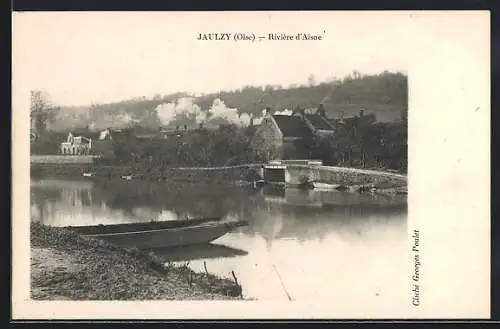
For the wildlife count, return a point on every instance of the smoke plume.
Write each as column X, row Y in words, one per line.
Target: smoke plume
column 185, row 112
column 221, row 111
column 182, row 110
column 116, row 121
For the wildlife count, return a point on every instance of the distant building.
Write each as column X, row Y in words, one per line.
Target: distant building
column 76, row 145
column 92, row 144
column 103, row 144
column 290, row 136
column 317, row 122
column 344, row 120
column 178, row 132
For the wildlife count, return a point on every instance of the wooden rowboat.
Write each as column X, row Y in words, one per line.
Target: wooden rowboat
column 161, row 234
column 324, row 186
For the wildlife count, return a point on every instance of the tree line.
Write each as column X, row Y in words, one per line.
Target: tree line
column 365, row 143
column 356, row 143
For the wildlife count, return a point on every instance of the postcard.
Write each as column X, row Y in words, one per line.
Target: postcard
column 251, row 165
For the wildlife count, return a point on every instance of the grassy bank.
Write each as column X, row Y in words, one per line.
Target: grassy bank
column 65, row 265
column 212, row 175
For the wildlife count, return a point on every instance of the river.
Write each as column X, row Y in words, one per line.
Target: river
column 301, row 245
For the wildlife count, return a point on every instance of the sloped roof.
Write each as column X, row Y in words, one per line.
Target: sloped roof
column 318, row 122
column 77, row 132
column 292, row 126
column 103, row 134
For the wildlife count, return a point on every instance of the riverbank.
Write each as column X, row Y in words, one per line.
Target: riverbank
column 67, row 266
column 229, row 174
column 240, row 174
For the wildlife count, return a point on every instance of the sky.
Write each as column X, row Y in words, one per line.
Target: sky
column 80, row 58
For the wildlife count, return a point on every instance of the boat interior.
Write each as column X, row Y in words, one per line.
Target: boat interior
column 143, row 226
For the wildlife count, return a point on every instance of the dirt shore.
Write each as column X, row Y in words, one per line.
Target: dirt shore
column 66, row 266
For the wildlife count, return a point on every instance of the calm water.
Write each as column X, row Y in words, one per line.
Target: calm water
column 343, row 247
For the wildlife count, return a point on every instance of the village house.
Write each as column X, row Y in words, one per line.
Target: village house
column 317, row 122
column 186, row 129
column 87, row 143
column 167, row 133
column 283, row 137
column 76, row 145
column 103, row 145
column 344, row 120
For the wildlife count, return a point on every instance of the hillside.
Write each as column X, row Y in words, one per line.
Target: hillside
column 385, row 95
column 382, row 93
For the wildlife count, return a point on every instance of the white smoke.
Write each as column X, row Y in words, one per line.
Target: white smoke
column 121, row 120
column 220, row 110
column 216, row 114
column 125, row 119
column 168, row 112
column 284, row 112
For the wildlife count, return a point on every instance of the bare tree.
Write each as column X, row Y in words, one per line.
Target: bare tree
column 42, row 111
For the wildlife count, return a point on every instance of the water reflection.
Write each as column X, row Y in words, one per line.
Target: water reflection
column 189, row 253
column 324, row 244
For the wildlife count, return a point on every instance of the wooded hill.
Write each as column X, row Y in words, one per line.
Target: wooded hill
column 385, row 95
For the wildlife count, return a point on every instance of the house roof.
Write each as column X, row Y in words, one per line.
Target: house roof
column 318, row 122
column 292, row 126
column 103, row 134
column 371, row 117
column 134, row 132
column 76, row 132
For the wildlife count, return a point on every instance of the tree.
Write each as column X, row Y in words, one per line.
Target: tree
column 324, row 148
column 42, row 111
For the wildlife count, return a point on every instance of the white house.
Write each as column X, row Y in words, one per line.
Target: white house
column 76, row 145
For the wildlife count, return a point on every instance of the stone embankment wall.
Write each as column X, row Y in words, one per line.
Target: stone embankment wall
column 296, row 174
